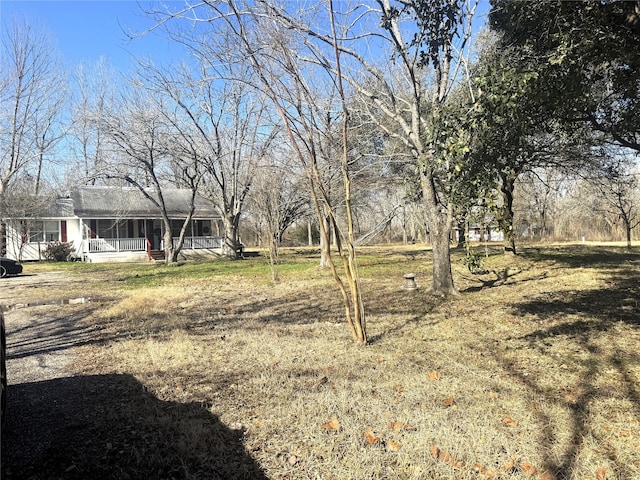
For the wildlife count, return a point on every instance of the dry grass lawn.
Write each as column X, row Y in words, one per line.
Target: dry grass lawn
column 532, row 372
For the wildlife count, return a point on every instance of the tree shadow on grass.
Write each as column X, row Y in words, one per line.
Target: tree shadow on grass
column 110, row 427
column 584, row 255
column 601, row 307
column 581, row 317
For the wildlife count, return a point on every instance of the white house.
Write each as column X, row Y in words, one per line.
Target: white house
column 107, row 224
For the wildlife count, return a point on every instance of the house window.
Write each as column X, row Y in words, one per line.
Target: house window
column 176, row 226
column 203, row 228
column 112, row 228
column 44, row 231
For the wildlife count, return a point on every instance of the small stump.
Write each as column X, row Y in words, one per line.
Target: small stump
column 409, row 281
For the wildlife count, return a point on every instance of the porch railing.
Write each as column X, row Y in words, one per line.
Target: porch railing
column 104, row 245
column 195, row 243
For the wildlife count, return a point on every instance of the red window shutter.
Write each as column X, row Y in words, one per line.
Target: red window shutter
column 63, row 231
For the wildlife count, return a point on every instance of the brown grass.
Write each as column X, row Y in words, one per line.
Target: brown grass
column 531, row 372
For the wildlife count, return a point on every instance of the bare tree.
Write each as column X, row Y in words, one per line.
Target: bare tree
column 279, row 198
column 93, row 98
column 141, row 131
column 254, row 37
column 226, row 122
column 31, row 93
column 619, row 185
column 424, row 47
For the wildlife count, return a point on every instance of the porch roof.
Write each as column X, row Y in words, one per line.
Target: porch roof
column 129, row 202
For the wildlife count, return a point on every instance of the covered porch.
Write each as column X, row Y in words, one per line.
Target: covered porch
column 109, row 239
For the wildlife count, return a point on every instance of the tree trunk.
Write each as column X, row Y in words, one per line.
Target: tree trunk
column 506, row 214
column 440, row 219
column 325, row 245
column 230, row 245
column 442, row 276
column 169, row 251
column 3, row 239
column 462, row 232
column 628, row 228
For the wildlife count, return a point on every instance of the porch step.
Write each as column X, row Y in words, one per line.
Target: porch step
column 157, row 255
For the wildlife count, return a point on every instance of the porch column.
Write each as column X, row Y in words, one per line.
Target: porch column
column 117, row 235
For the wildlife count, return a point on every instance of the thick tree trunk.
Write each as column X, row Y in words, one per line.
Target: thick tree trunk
column 442, row 276
column 440, row 219
column 230, row 245
column 169, row 251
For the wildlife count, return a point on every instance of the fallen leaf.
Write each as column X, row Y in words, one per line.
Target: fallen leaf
column 535, row 406
column 547, row 475
column 435, row 451
column 510, row 465
column 399, row 388
column 571, row 398
column 526, row 467
column 408, row 427
column 478, row 468
column 370, row 437
column 395, row 426
column 493, row 394
column 331, row 424
column 393, row 446
column 624, row 433
column 510, row 422
column 490, row 474
column 292, row 460
column 601, row 474
column 445, row 456
column 447, row 402
column 434, row 375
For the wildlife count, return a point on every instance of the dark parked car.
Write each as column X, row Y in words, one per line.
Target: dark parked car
column 9, row 267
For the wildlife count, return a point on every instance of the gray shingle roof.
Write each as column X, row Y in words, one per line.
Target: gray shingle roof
column 129, row 202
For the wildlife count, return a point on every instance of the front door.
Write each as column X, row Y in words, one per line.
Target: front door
column 154, row 235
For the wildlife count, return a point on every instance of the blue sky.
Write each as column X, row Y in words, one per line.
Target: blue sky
column 85, row 30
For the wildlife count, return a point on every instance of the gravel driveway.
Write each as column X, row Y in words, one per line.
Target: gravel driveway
column 42, row 333
column 35, row 326
column 66, row 424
